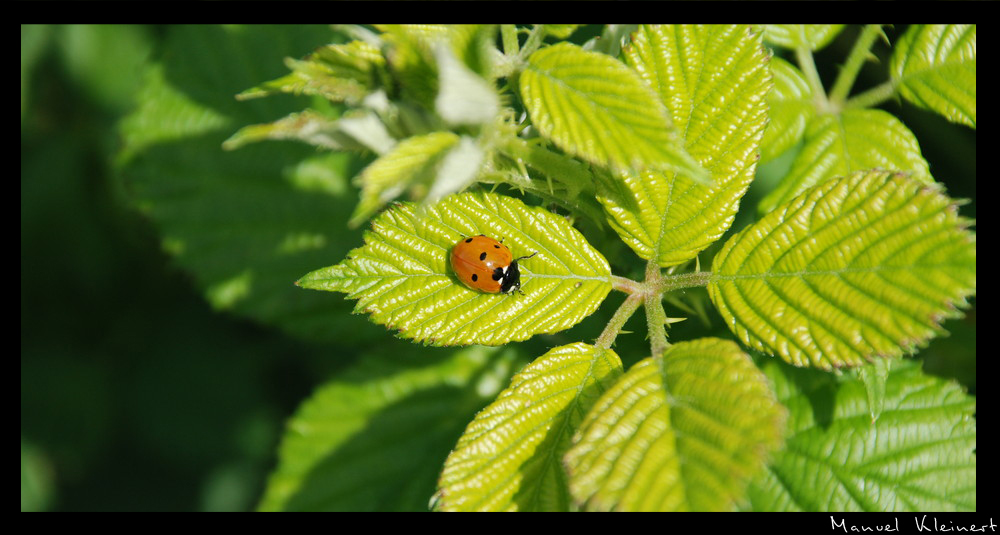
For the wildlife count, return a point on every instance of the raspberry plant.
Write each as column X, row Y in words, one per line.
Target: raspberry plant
column 640, row 143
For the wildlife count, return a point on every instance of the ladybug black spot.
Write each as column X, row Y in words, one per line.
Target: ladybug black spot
column 482, row 256
column 467, row 240
column 475, row 277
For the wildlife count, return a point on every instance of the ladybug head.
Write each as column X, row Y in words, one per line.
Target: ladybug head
column 511, row 276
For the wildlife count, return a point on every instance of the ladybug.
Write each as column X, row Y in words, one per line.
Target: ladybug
column 487, row 265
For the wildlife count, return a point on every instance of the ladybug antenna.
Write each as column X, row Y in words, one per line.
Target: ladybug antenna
column 526, row 257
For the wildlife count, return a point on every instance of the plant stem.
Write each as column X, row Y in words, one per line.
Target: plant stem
column 544, row 160
column 624, row 312
column 508, row 33
column 873, row 97
column 515, row 56
column 532, row 43
column 849, row 73
column 649, row 293
column 684, row 280
column 625, row 284
column 656, row 317
column 808, row 67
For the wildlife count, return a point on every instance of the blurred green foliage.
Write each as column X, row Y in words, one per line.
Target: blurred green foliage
column 136, row 392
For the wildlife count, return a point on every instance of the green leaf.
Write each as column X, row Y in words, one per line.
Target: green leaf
column 339, row 73
column 918, row 456
column 244, row 223
column 464, row 97
column 591, row 105
column 791, row 109
column 680, row 433
column 935, row 67
column 308, row 126
column 560, row 31
column 403, row 279
column 809, row 36
column 612, row 39
column 375, row 437
column 413, row 55
column 714, row 80
column 368, row 130
column 413, row 160
column 475, row 47
column 408, row 52
column 873, row 375
column 35, row 40
column 860, row 267
column 509, row 457
column 855, row 140
column 458, row 170
column 104, row 61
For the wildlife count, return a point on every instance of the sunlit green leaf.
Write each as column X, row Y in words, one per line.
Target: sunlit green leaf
column 714, row 81
column 402, row 277
column 860, row 267
column 855, row 140
column 935, row 66
column 681, row 433
column 593, row 106
column 509, row 458
column 918, row 456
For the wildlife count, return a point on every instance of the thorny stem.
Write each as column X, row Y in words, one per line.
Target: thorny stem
column 873, row 96
column 648, row 293
column 849, row 73
column 624, row 312
column 656, row 317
